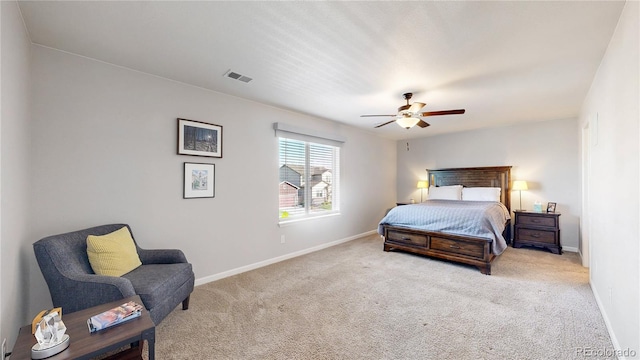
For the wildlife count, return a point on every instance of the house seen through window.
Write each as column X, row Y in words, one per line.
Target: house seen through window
column 309, row 178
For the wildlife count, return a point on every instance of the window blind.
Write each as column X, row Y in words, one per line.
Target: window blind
column 309, row 170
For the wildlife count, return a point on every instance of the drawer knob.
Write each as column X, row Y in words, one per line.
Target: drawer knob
column 406, row 239
column 535, row 220
column 454, row 246
column 536, row 235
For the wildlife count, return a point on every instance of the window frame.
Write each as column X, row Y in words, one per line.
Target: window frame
column 308, row 212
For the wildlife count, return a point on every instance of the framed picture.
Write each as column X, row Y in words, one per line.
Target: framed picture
column 199, row 138
column 199, row 180
column 551, row 207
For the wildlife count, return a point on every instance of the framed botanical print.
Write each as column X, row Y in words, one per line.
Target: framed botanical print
column 199, row 180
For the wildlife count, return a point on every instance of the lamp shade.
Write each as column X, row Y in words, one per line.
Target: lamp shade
column 423, row 184
column 519, row 185
column 407, row 122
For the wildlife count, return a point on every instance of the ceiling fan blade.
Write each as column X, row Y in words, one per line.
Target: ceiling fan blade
column 383, row 124
column 404, row 108
column 443, row 112
column 375, row 115
column 423, row 124
column 416, row 106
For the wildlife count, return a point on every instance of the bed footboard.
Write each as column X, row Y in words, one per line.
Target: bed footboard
column 469, row 250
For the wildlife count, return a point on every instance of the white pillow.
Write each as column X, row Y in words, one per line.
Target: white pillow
column 481, row 194
column 451, row 192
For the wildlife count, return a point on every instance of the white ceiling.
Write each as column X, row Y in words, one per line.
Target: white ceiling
column 504, row 62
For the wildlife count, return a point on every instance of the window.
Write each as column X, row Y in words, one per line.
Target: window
column 309, row 178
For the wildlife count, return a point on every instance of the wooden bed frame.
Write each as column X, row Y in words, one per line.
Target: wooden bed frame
column 463, row 249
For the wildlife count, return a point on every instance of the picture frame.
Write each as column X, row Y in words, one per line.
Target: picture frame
column 551, row 207
column 199, row 138
column 199, row 180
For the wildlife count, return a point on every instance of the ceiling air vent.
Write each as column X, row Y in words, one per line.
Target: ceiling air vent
column 236, row 76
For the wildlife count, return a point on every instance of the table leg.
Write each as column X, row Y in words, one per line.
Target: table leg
column 150, row 336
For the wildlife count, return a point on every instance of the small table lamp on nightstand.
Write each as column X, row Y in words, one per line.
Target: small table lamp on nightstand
column 422, row 185
column 519, row 185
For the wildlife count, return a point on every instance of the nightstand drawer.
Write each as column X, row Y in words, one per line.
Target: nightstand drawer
column 537, row 221
column 401, row 237
column 458, row 247
column 543, row 236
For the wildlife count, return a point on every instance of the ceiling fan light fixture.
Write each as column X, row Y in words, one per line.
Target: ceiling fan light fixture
column 407, row 122
column 408, row 115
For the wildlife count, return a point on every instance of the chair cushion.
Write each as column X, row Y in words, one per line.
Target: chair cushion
column 113, row 254
column 157, row 282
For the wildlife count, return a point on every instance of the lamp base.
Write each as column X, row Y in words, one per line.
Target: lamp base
column 37, row 352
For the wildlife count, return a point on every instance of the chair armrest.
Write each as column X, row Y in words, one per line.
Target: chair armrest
column 161, row 256
column 80, row 291
column 123, row 285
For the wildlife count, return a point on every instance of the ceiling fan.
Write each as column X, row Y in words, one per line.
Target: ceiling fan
column 408, row 115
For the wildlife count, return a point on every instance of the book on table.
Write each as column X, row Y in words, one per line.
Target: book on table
column 119, row 314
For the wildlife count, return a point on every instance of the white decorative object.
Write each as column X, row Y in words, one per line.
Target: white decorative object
column 51, row 337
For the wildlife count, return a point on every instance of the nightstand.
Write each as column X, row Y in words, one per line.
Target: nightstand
column 403, row 203
column 538, row 229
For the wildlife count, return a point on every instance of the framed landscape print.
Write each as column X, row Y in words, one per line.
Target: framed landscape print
column 199, row 180
column 199, row 138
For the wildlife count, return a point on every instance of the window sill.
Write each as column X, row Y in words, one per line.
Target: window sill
column 289, row 222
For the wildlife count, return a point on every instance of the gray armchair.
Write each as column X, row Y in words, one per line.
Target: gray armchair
column 164, row 279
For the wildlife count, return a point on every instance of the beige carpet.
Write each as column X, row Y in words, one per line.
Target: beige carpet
column 355, row 301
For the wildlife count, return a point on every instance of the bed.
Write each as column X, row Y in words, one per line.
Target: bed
column 473, row 248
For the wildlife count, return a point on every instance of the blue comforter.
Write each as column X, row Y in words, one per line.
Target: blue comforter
column 471, row 218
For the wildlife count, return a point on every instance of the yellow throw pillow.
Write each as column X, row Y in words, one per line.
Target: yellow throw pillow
column 113, row 254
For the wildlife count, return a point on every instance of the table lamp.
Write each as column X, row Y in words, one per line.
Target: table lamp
column 422, row 185
column 519, row 185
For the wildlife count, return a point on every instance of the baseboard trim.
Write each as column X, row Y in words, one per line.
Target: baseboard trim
column 582, row 259
column 607, row 323
column 239, row 270
column 571, row 249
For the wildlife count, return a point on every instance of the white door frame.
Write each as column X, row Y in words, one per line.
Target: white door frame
column 585, row 220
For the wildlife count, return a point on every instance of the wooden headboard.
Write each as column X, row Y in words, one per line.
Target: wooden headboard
column 494, row 176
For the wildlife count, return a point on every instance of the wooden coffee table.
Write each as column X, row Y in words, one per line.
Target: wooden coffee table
column 86, row 345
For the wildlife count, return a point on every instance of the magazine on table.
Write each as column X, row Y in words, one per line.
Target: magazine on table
column 115, row 316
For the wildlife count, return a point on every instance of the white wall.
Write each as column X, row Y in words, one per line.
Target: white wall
column 614, row 176
column 104, row 149
column 545, row 154
column 15, row 244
